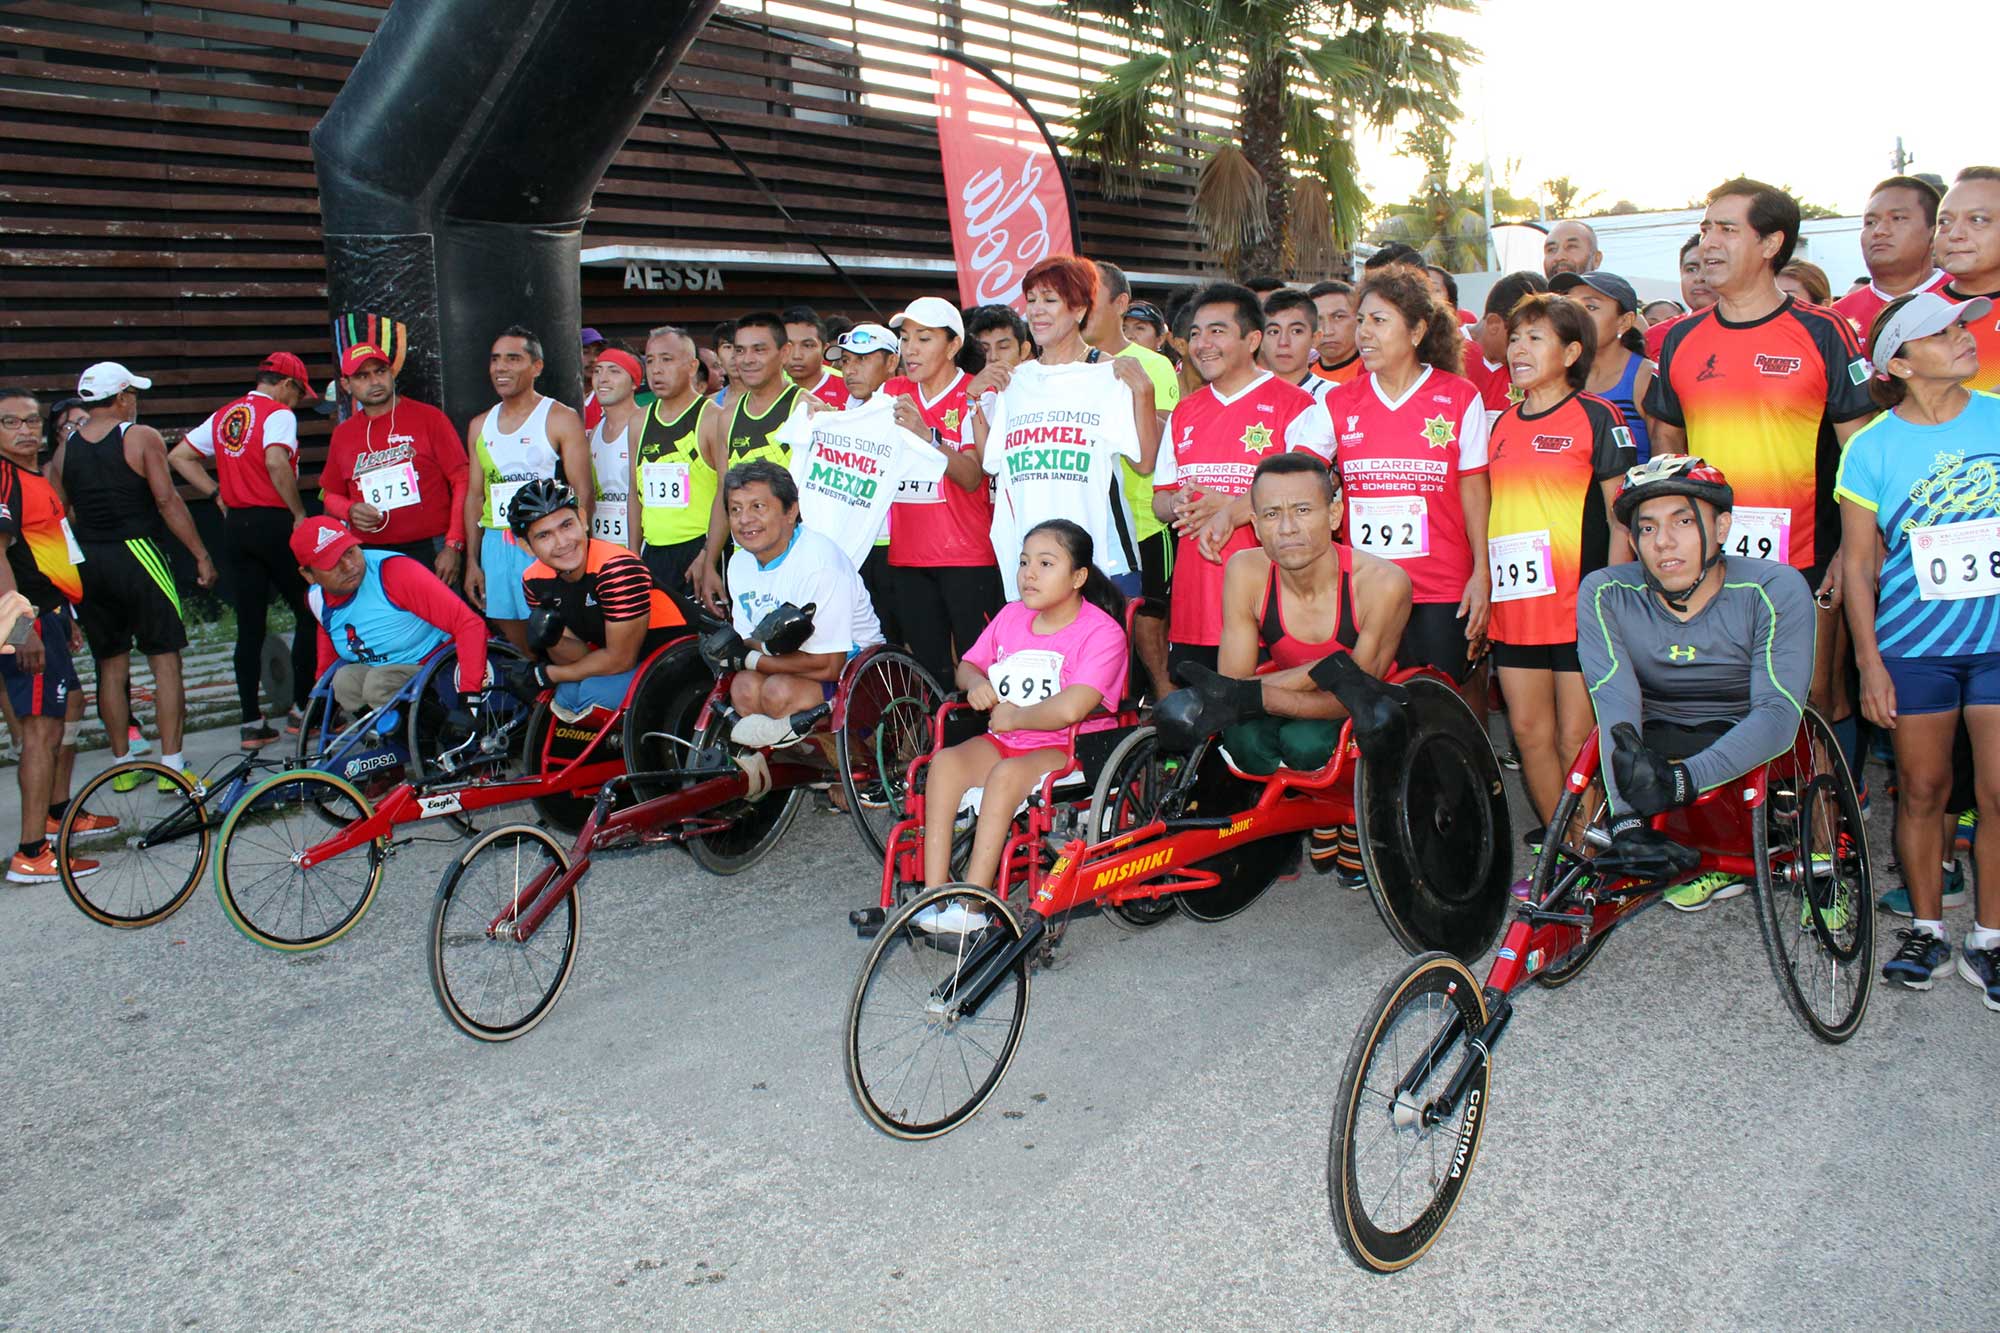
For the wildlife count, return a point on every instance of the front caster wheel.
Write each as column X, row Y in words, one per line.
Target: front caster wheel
column 492, row 983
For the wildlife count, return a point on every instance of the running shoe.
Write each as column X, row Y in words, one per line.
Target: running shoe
column 1896, row 901
column 1703, row 891
column 1835, row 915
column 85, row 825
column 127, row 781
column 254, row 736
column 136, row 742
column 953, row 918
column 1981, row 967
column 294, row 719
column 41, row 867
column 167, row 786
column 1918, row 960
column 1967, row 823
column 758, row 732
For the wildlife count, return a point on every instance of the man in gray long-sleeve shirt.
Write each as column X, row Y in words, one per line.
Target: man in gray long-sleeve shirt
column 1706, row 657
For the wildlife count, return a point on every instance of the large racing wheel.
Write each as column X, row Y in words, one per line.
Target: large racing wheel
column 1246, row 870
column 882, row 722
column 1436, row 837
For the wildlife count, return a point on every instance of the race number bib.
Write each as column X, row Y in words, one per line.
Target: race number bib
column 1395, row 529
column 392, row 487
column 1954, row 561
column 910, row 491
column 69, row 541
column 1519, row 566
column 607, row 519
column 499, row 494
column 664, row 485
column 1027, row 677
column 1761, row 533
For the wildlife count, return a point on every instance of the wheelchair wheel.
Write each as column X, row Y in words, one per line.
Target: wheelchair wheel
column 312, row 722
column 265, row 892
column 436, row 695
column 1813, row 890
column 661, row 717
column 148, row 866
column 935, row 1019
column 890, row 701
column 565, row 811
column 1394, row 1165
column 1246, row 871
column 1127, row 795
column 1583, row 818
column 491, row 986
column 755, row 824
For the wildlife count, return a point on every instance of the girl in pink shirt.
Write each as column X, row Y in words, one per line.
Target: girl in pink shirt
column 1042, row 666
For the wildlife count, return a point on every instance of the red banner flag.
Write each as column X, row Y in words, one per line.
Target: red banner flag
column 1004, row 183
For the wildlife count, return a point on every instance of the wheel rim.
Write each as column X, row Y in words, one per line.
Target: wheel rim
column 918, row 1064
column 270, row 896
column 1129, row 797
column 151, row 862
column 492, row 985
column 1577, row 816
column 886, row 724
column 753, row 824
column 1818, row 908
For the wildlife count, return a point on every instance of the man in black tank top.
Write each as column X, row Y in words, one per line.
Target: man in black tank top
column 122, row 504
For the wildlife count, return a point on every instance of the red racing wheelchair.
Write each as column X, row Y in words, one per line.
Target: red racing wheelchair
column 936, row 1015
column 1414, row 1096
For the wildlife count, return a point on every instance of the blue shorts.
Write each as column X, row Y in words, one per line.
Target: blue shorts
column 1129, row 584
column 606, row 692
column 1941, row 684
column 504, row 561
column 46, row 693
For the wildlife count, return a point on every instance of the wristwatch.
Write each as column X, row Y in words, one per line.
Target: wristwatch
column 456, row 545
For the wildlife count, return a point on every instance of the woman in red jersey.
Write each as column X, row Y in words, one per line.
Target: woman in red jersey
column 1410, row 447
column 1557, row 457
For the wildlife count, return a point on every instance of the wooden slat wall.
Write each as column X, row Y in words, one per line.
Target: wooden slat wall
column 158, row 207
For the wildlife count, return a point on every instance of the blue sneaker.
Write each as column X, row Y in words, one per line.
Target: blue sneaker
column 1968, row 824
column 1896, row 901
column 1981, row 967
column 1918, row 960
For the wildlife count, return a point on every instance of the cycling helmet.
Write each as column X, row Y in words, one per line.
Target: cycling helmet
column 537, row 500
column 1672, row 474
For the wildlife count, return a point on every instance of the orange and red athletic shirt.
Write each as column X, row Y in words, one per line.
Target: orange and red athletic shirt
column 39, row 556
column 1986, row 334
column 1752, row 398
column 615, row 585
column 831, row 389
column 1341, row 373
column 236, row 437
column 1548, row 527
column 940, row 524
column 1863, row 304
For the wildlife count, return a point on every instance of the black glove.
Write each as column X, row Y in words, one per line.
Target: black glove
column 524, row 680
column 471, row 702
column 545, row 629
column 1210, row 702
column 1647, row 783
column 1639, row 852
column 785, row 628
column 1374, row 706
column 722, row 648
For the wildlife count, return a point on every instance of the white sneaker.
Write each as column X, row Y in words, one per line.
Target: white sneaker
column 758, row 732
column 953, row 918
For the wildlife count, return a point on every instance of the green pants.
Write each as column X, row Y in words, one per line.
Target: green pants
column 1265, row 744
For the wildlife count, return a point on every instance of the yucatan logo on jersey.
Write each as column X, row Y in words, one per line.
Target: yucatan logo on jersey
column 1353, row 422
column 232, row 428
column 1256, row 439
column 1779, row 366
column 1439, row 432
column 1553, row 444
column 951, row 418
column 1680, row 652
column 1708, row 370
column 1516, row 394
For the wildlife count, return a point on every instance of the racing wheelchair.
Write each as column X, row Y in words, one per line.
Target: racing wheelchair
column 1170, row 825
column 503, row 930
column 1414, row 1097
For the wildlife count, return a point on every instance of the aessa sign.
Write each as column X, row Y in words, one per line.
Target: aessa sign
column 660, row 278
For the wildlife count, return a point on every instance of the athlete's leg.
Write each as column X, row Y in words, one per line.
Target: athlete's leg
column 1574, row 719
column 169, row 703
column 251, row 598
column 1923, row 769
column 1007, row 785
column 1530, row 693
column 954, row 772
column 59, row 778
column 114, row 702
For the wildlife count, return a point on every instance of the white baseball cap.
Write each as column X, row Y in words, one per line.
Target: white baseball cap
column 865, row 338
column 932, row 312
column 108, row 379
column 1925, row 315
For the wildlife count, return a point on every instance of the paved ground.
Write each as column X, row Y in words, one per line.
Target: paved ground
column 198, row 1132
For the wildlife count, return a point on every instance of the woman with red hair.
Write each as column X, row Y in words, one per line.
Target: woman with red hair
column 1052, row 433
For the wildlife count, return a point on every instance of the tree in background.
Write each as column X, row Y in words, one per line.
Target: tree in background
column 1307, row 75
column 1447, row 221
column 1566, row 198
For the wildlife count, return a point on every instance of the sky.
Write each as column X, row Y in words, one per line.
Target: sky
column 1673, row 109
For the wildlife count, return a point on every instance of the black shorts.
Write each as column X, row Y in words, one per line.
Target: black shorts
column 424, row 549
column 1435, row 638
column 1536, row 656
column 670, row 563
column 129, row 597
column 1156, row 566
column 943, row 608
column 1207, row 654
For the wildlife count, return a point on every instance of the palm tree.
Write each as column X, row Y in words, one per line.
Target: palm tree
column 1444, row 222
column 1307, row 74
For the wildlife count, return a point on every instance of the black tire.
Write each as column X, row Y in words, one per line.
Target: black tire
column 565, row 811
column 660, row 721
column 1127, row 795
column 755, row 824
column 275, row 674
column 889, row 707
column 491, row 988
column 265, row 893
column 436, row 695
column 916, row 1069
column 307, row 749
column 134, row 885
column 1247, row 870
column 1816, row 903
column 1428, row 1164
column 1578, row 816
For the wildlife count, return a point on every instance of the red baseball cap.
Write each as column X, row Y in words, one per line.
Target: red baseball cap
column 359, row 355
column 318, row 543
column 284, row 363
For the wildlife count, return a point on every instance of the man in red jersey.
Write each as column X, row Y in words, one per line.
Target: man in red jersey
column 1897, row 228
column 1696, row 295
column 1486, row 342
column 1968, row 243
column 1213, row 443
column 395, row 471
column 254, row 443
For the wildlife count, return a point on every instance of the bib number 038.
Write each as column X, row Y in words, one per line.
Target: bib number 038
column 1955, row 561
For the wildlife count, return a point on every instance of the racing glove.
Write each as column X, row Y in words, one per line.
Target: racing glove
column 545, row 629
column 1641, row 852
column 524, row 680
column 723, row 648
column 1648, row 783
column 1210, row 702
column 786, row 628
column 1374, row 706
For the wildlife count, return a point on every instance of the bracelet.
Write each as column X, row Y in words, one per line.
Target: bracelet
column 751, row 659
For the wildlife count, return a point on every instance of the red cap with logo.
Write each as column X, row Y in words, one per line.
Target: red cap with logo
column 318, row 543
column 288, row 365
column 359, row 355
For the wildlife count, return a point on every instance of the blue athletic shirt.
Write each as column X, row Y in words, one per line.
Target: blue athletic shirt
column 369, row 626
column 1935, row 494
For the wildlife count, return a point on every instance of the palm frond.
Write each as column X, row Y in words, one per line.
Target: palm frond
column 1312, row 243
column 1229, row 204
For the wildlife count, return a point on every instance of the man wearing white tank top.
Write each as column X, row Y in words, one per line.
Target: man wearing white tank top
column 616, row 378
column 521, row 438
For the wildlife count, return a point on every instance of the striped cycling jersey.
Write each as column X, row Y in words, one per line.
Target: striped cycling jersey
column 614, row 585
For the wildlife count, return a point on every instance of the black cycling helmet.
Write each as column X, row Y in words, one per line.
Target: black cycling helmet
column 537, row 500
column 1675, row 474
